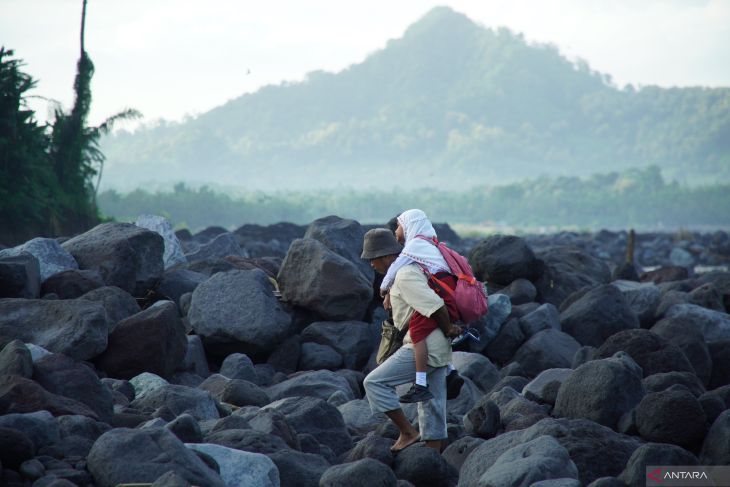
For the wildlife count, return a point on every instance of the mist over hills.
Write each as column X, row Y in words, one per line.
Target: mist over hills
column 450, row 104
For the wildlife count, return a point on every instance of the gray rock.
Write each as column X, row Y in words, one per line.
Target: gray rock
column 186, row 428
column 316, row 278
column 566, row 270
column 173, row 254
column 15, row 359
column 662, row 381
column 361, row 473
column 716, row 447
column 671, row 416
column 32, row 469
column 20, row 395
column 20, row 277
column 316, row 417
column 170, row 479
column 597, row 451
column 221, row 246
column 321, row 384
column 598, row 314
column 564, row 482
column 195, row 360
column 489, row 325
column 41, row 427
column 61, row 375
column 175, row 283
column 153, row 341
column 544, row 388
column 584, row 354
column 71, row 284
column 547, row 349
column 343, row 237
column 285, row 357
column 52, row 258
column 358, row 416
column 457, row 452
column 371, row 446
column 351, row 339
column 124, row 455
column 118, row 303
column 316, row 357
column 643, row 299
column 144, row 383
column 271, row 422
column 476, row 367
column 539, row 459
column 715, row 326
column 680, row 257
column 607, row 482
column 125, row 255
column 544, row 317
column 520, row 291
column 509, row 339
column 247, row 440
column 421, row 465
column 76, row 328
column 240, row 467
column 601, row 390
column 483, row 420
column 244, row 393
column 501, row 259
column 653, row 454
column 238, row 366
column 669, row 299
column 238, row 309
column 298, row 469
column 179, row 399
column 720, row 356
column 690, row 341
column 15, row 448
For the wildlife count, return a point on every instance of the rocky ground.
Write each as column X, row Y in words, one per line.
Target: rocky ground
column 131, row 354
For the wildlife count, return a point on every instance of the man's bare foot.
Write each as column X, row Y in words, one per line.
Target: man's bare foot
column 404, row 441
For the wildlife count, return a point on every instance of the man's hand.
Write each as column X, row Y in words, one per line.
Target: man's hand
column 454, row 331
column 386, row 302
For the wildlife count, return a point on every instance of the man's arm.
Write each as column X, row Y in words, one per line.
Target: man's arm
column 441, row 316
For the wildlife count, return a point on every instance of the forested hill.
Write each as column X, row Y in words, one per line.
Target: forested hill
column 450, row 101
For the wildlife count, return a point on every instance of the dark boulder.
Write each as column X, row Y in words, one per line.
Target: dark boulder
column 690, row 341
column 316, row 278
column 351, row 339
column 547, row 349
column 298, row 469
column 343, row 237
column 651, row 352
column 566, row 270
column 501, row 259
column 66, row 377
column 421, row 465
column 119, row 304
column 179, row 399
column 124, row 455
column 601, row 390
column 600, row 313
column 15, row 359
column 237, row 311
column 360, row 473
column 652, row 454
column 19, row 395
column 76, row 328
column 125, row 255
column 20, row 276
column 671, row 416
column 152, row 340
column 72, row 283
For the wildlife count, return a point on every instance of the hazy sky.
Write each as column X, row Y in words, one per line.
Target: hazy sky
column 169, row 58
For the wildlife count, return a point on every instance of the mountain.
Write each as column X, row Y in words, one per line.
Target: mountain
column 450, row 104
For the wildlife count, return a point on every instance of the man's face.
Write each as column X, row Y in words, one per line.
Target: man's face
column 400, row 234
column 381, row 264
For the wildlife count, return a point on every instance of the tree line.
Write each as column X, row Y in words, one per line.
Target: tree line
column 636, row 197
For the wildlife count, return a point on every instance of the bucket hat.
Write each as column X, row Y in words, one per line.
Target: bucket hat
column 379, row 242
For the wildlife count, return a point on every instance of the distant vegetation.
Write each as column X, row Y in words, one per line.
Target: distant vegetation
column 450, row 104
column 632, row 198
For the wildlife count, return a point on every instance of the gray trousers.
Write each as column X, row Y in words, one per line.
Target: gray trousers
column 399, row 369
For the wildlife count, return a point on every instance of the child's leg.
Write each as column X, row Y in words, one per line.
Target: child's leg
column 420, row 351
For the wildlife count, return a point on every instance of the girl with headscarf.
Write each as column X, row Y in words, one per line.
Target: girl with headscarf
column 413, row 228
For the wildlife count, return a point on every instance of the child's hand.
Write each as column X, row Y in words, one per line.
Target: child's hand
column 454, row 331
column 386, row 302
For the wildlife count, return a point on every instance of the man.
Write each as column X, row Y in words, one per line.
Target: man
column 410, row 293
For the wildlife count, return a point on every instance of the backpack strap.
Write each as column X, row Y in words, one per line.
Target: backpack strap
column 441, row 284
column 470, row 279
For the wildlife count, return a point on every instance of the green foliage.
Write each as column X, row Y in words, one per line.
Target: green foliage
column 449, row 101
column 634, row 198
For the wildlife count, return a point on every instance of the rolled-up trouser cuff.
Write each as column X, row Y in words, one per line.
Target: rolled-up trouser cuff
column 400, row 368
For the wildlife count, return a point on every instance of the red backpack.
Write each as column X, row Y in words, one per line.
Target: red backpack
column 469, row 295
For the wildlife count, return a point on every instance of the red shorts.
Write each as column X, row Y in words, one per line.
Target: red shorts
column 421, row 326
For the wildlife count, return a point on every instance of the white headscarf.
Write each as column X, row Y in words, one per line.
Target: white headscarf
column 415, row 223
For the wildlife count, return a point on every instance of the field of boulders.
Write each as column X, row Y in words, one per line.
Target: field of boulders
column 132, row 354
